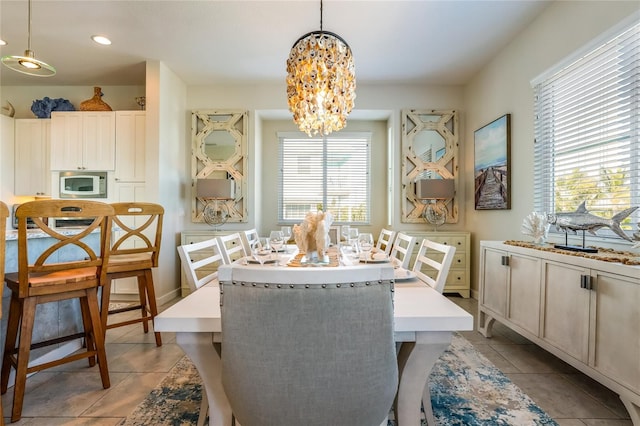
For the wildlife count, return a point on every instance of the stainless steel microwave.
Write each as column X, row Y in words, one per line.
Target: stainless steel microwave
column 83, row 184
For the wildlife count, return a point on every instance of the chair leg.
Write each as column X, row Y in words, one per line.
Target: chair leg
column 98, row 334
column 13, row 324
column 142, row 296
column 26, row 330
column 151, row 295
column 88, row 335
column 104, row 302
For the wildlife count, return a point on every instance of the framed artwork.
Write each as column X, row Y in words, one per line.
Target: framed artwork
column 492, row 165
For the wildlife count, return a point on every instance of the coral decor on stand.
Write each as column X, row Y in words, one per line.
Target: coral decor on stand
column 312, row 235
column 536, row 226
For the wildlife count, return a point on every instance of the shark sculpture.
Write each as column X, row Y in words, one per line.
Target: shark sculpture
column 582, row 220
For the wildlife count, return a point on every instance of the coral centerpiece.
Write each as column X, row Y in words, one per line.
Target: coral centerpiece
column 312, row 235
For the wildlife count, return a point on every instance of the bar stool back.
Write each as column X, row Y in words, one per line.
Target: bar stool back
column 4, row 214
column 55, row 275
column 132, row 254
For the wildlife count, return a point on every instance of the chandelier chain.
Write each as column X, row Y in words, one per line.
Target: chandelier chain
column 320, row 15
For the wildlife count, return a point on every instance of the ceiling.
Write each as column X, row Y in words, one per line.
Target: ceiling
column 225, row 42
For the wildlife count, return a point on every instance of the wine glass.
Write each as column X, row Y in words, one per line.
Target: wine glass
column 286, row 234
column 344, row 233
column 276, row 240
column 365, row 241
column 353, row 238
column 261, row 250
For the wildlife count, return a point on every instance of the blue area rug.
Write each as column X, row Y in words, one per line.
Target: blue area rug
column 466, row 389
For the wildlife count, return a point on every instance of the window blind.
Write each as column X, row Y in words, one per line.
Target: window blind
column 587, row 123
column 324, row 173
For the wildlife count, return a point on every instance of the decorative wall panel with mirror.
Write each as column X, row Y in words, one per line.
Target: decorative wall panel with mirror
column 219, row 151
column 429, row 151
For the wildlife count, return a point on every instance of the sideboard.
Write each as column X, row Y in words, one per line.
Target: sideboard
column 585, row 311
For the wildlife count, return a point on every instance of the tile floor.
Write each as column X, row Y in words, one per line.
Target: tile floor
column 72, row 394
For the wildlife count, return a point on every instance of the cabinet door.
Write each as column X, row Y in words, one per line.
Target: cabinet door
column 615, row 318
column 524, row 292
column 98, row 140
column 566, row 309
column 130, row 146
column 494, row 275
column 66, row 141
column 32, row 148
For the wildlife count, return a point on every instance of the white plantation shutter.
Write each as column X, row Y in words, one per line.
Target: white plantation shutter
column 329, row 173
column 587, row 127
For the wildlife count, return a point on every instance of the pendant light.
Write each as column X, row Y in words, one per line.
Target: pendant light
column 28, row 64
column 321, row 82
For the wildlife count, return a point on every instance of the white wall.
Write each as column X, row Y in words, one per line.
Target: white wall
column 503, row 86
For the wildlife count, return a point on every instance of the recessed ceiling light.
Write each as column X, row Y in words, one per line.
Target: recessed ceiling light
column 101, row 40
column 2, row 42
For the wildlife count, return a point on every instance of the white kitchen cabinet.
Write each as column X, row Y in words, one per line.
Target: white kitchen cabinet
column 83, row 140
column 6, row 158
column 586, row 310
column 459, row 278
column 32, row 163
column 130, row 146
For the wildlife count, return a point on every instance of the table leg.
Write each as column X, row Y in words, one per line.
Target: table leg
column 415, row 361
column 199, row 347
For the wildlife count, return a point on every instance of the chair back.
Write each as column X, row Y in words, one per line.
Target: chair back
column 53, row 260
column 200, row 262
column 232, row 247
column 4, row 214
column 250, row 237
column 433, row 262
column 385, row 240
column 136, row 244
column 402, row 250
column 308, row 354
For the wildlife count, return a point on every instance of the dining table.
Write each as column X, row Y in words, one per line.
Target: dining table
column 424, row 321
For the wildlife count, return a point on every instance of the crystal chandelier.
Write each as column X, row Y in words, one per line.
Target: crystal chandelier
column 321, row 82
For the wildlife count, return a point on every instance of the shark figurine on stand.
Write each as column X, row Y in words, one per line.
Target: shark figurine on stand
column 582, row 220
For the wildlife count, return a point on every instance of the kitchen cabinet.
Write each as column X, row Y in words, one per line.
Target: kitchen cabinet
column 84, row 140
column 32, row 150
column 6, row 158
column 130, row 146
column 583, row 310
column 459, row 278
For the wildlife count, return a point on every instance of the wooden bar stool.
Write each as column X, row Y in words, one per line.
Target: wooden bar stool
column 53, row 277
column 132, row 254
column 4, row 214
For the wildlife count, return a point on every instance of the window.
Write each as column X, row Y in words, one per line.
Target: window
column 324, row 173
column 587, row 124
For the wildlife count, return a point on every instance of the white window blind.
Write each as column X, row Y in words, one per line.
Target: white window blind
column 587, row 123
column 328, row 173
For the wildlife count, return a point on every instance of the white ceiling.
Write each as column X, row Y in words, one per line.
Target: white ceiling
column 206, row 42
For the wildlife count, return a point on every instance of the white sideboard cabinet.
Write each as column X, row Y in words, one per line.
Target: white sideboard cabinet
column 459, row 278
column 83, row 140
column 32, row 164
column 584, row 311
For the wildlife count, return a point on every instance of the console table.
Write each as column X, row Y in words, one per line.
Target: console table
column 585, row 311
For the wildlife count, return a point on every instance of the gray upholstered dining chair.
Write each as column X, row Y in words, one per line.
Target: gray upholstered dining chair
column 308, row 354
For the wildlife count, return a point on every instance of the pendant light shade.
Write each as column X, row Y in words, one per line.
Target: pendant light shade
column 321, row 82
column 28, row 64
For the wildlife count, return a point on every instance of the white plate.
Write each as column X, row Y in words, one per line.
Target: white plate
column 369, row 260
column 400, row 274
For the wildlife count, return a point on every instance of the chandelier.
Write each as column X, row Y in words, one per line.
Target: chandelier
column 321, row 82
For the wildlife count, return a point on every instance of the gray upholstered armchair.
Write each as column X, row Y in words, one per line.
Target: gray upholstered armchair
column 309, row 354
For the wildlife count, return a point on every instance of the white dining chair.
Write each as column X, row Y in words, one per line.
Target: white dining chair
column 200, row 262
column 433, row 262
column 250, row 237
column 232, row 247
column 402, row 250
column 334, row 234
column 385, row 240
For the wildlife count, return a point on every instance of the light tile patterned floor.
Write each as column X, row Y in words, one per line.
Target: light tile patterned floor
column 72, row 394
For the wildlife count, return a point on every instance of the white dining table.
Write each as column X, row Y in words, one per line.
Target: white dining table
column 424, row 321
